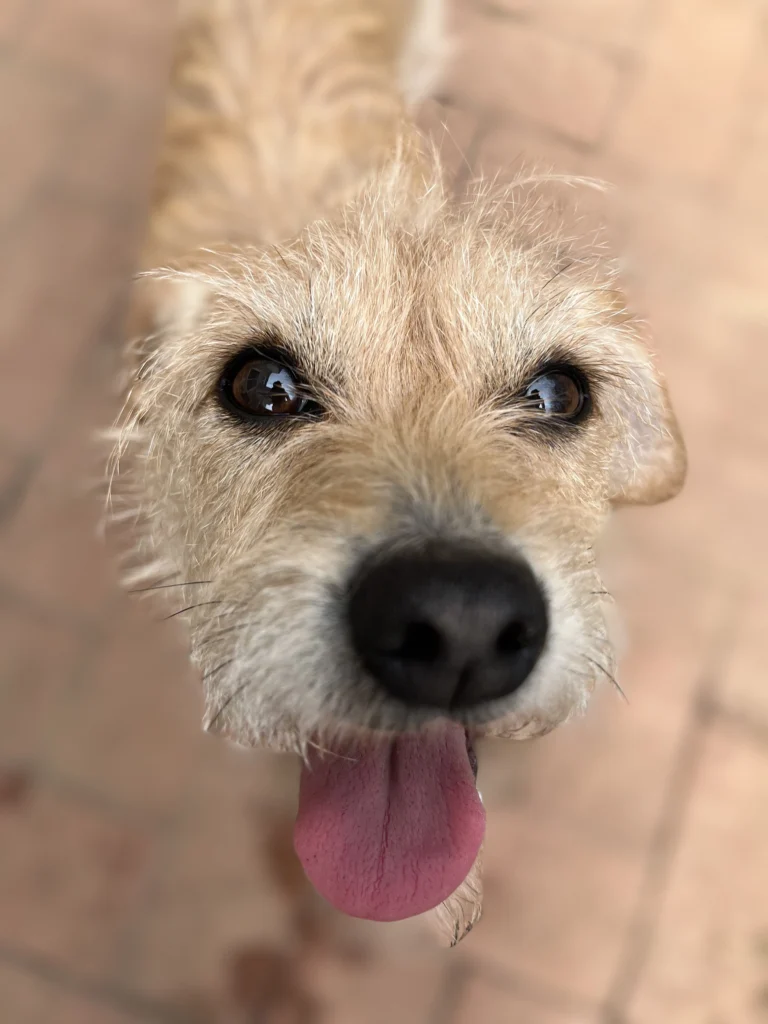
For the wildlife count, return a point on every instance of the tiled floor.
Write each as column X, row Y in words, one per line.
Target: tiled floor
column 143, row 874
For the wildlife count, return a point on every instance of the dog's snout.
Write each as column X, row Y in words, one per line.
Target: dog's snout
column 447, row 627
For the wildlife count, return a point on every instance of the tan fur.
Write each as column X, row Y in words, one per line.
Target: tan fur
column 294, row 199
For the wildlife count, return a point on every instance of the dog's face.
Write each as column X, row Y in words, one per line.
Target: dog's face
column 380, row 458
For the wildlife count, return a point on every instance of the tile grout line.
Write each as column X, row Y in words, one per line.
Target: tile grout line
column 455, row 980
column 130, row 938
column 749, row 728
column 612, row 52
column 16, row 487
column 508, row 120
column 667, row 834
column 630, row 69
column 664, row 845
column 539, row 993
column 37, row 966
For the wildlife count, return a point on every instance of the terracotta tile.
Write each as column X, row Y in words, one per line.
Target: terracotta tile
column 379, row 991
column 518, row 9
column 557, row 904
column 52, row 549
column 599, row 24
column 489, row 1003
column 565, row 776
column 602, row 23
column 672, row 232
column 751, row 170
column 234, row 798
column 708, row 960
column 599, row 204
column 31, row 999
column 130, row 726
column 12, row 462
column 717, row 520
column 510, row 67
column 11, row 20
column 187, row 944
column 124, row 44
column 749, row 187
column 68, row 881
column 37, row 659
column 114, row 146
column 682, row 113
column 606, row 774
column 69, row 264
column 742, row 687
column 672, row 613
column 216, row 894
column 39, row 114
column 509, row 148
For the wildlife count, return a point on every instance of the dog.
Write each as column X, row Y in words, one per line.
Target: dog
column 372, row 433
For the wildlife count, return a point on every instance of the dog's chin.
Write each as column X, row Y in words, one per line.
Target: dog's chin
column 338, row 729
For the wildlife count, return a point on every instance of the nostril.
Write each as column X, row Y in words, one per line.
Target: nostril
column 421, row 643
column 447, row 626
column 513, row 638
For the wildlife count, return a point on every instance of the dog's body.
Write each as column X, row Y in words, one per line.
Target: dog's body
column 342, row 385
column 279, row 112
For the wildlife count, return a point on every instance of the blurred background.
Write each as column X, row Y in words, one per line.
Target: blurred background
column 145, row 870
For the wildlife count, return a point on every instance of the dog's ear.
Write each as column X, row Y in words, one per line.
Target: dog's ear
column 648, row 461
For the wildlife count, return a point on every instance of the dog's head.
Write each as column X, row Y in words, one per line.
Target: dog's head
column 378, row 460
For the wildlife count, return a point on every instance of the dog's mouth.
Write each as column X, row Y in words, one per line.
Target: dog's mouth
column 389, row 827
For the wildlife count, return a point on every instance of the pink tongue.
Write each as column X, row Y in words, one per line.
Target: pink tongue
column 388, row 830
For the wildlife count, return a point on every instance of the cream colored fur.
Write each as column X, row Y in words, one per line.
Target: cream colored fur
column 295, row 200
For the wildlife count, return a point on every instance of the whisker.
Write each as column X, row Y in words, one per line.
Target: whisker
column 331, row 753
column 224, row 632
column 190, row 608
column 143, row 572
column 219, row 668
column 167, row 586
column 606, row 673
column 235, row 693
column 563, row 269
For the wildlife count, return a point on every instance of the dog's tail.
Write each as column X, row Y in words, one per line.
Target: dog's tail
column 278, row 108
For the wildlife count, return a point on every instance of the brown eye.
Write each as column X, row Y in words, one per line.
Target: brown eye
column 559, row 393
column 264, row 387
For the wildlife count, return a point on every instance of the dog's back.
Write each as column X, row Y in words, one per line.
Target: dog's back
column 278, row 109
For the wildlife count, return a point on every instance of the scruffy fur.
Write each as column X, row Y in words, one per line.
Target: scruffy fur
column 295, row 201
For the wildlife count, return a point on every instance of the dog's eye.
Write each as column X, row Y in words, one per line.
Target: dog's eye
column 559, row 393
column 264, row 387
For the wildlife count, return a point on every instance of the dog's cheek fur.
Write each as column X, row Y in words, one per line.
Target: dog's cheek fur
column 274, row 517
column 293, row 525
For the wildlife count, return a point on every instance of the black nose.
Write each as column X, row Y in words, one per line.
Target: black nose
column 447, row 627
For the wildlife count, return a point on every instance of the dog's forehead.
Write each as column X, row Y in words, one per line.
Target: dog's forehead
column 479, row 304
